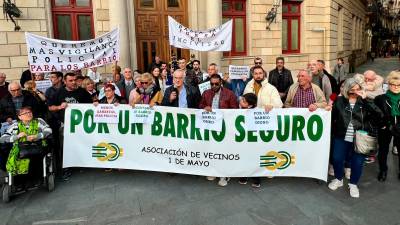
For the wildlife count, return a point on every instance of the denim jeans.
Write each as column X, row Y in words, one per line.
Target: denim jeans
column 341, row 150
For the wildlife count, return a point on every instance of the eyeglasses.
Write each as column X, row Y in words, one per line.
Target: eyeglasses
column 258, row 63
column 25, row 113
column 215, row 84
column 15, row 90
column 395, row 85
column 144, row 82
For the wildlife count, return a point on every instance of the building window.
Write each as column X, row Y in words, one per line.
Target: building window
column 72, row 19
column 291, row 27
column 236, row 10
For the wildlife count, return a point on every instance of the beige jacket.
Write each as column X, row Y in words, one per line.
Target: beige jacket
column 319, row 96
column 268, row 94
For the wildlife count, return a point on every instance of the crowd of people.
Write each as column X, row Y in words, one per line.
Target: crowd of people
column 357, row 103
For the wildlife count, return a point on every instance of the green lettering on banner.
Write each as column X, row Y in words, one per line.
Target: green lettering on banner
column 283, row 127
column 219, row 136
column 76, row 119
column 194, row 132
column 240, row 129
column 169, row 129
column 266, row 137
column 88, row 126
column 183, row 123
column 315, row 119
column 137, row 128
column 297, row 128
column 156, row 127
column 103, row 128
column 123, row 123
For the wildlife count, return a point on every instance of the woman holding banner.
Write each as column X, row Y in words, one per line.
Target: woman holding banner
column 351, row 112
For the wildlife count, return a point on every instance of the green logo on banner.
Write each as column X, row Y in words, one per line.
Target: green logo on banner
column 107, row 151
column 277, row 160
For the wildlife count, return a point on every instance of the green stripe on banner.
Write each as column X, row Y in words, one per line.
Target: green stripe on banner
column 99, row 155
column 267, row 158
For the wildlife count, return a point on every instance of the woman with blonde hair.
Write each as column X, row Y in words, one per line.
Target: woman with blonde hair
column 148, row 93
column 389, row 104
column 89, row 85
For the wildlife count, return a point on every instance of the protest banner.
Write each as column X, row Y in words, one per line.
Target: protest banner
column 47, row 55
column 258, row 119
column 237, row 72
column 106, row 113
column 172, row 143
column 43, row 85
column 214, row 39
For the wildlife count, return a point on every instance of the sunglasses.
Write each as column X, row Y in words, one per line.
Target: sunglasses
column 215, row 84
column 144, row 82
column 258, row 63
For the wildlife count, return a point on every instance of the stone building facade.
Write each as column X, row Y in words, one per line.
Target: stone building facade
column 318, row 29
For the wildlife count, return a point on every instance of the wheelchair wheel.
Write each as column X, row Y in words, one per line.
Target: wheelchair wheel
column 50, row 182
column 6, row 193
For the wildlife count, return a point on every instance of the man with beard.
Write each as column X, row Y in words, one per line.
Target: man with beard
column 267, row 94
column 281, row 78
column 218, row 97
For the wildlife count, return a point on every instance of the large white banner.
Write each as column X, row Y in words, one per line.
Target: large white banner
column 299, row 148
column 215, row 39
column 46, row 54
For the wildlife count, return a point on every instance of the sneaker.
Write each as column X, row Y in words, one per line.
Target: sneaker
column 370, row 159
column 354, row 192
column 243, row 180
column 331, row 171
column 223, row 181
column 335, row 184
column 210, row 178
column 394, row 150
column 256, row 184
column 347, row 173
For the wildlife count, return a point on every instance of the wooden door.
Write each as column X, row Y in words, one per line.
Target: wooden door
column 151, row 18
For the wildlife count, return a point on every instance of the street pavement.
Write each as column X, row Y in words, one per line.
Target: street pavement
column 93, row 196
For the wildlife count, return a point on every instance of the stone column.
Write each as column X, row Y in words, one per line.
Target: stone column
column 119, row 17
column 214, row 18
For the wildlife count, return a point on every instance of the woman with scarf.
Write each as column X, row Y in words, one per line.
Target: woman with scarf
column 149, row 93
column 389, row 104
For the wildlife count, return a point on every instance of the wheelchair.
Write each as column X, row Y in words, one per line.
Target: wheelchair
column 10, row 189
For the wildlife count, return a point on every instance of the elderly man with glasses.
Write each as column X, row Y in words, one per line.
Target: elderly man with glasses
column 15, row 99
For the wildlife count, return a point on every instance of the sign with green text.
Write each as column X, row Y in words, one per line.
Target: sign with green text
column 172, row 143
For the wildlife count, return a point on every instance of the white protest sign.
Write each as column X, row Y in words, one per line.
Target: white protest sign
column 236, row 72
column 43, row 85
column 46, row 54
column 106, row 113
column 259, row 120
column 214, row 39
column 204, row 86
column 205, row 75
column 142, row 113
column 209, row 120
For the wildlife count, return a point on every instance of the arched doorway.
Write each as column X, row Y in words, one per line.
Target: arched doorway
column 151, row 17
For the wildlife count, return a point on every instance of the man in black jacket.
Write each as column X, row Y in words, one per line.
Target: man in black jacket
column 181, row 95
column 281, row 78
column 15, row 100
column 332, row 80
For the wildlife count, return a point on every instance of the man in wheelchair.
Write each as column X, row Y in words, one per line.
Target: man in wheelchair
column 28, row 138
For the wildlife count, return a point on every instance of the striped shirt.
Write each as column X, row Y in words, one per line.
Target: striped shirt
column 350, row 129
column 303, row 98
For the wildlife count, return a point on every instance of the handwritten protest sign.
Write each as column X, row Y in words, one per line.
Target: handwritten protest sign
column 209, row 120
column 259, row 120
column 106, row 113
column 142, row 113
column 43, row 85
column 236, row 72
column 204, row 86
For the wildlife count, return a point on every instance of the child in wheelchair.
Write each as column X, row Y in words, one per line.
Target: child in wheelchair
column 26, row 164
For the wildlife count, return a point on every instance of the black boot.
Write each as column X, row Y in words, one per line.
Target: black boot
column 382, row 176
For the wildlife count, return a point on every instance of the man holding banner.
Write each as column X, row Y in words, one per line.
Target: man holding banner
column 218, row 97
